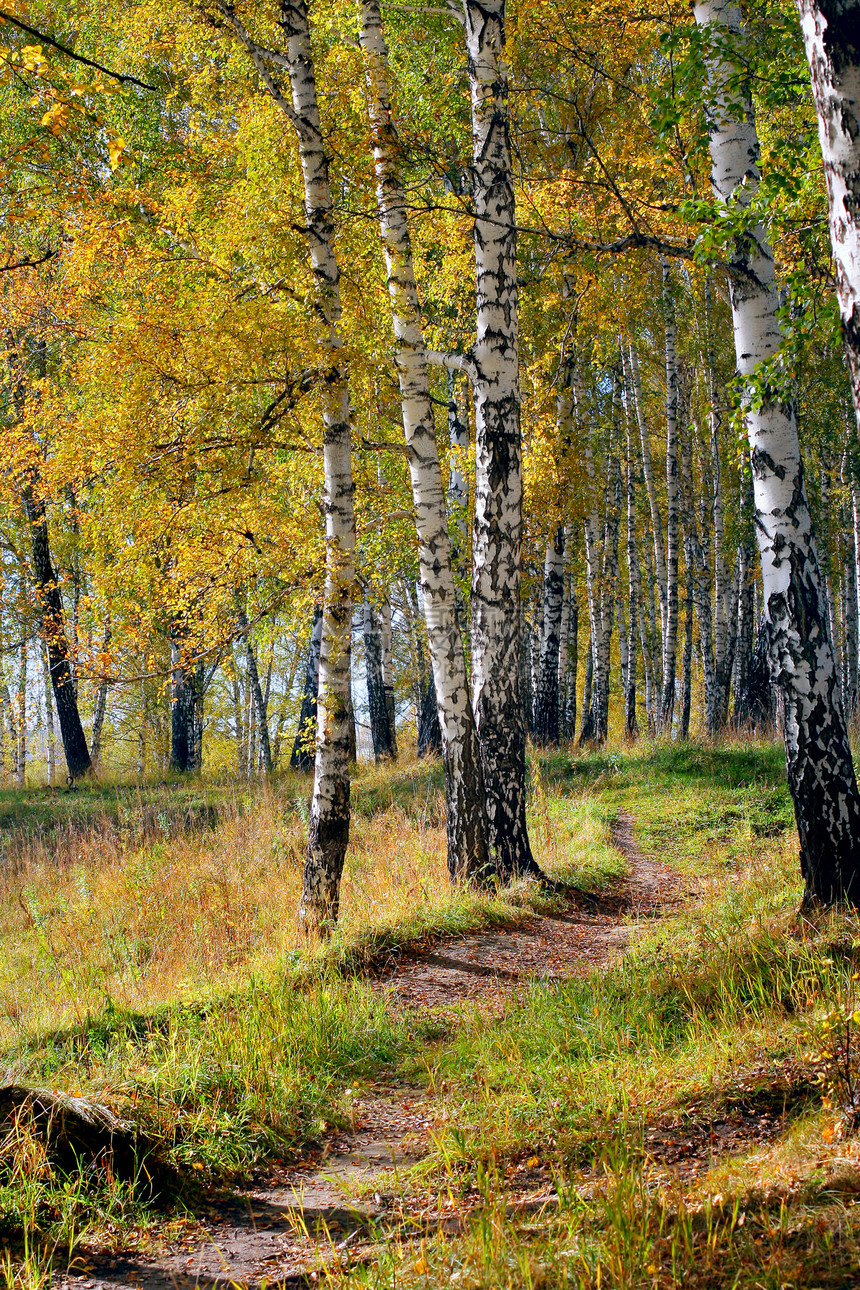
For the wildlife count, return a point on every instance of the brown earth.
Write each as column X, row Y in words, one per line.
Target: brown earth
column 338, row 1207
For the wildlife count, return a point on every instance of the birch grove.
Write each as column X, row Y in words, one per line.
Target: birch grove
column 506, row 352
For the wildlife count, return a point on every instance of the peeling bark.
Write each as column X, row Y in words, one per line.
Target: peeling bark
column 670, row 631
column 818, row 756
column 380, row 729
column 831, row 34
column 498, row 448
column 546, row 720
column 467, row 819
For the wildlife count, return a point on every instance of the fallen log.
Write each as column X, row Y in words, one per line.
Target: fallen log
column 75, row 1131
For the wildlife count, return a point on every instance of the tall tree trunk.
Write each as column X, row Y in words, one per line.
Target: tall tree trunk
column 100, row 707
column 631, row 727
column 328, row 834
column 77, row 754
column 573, row 669
column 386, row 649
column 687, row 675
column 831, row 34
column 21, row 718
column 186, row 747
column 650, row 487
column 498, row 447
column 546, row 724
column 593, row 724
column 670, row 633
column 818, row 756
column 380, row 730
column 467, row 818
column 51, row 731
column 587, row 725
column 722, row 590
column 302, row 757
column 698, row 587
column 257, row 696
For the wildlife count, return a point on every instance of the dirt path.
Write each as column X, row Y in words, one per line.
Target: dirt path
column 487, row 966
column 339, row 1207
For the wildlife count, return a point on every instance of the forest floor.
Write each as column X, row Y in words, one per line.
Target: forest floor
column 648, row 1077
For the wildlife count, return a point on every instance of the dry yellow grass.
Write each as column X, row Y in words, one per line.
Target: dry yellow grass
column 109, row 911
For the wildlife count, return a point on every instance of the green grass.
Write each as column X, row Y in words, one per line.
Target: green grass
column 732, row 1003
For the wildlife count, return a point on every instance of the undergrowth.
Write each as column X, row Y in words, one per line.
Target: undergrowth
column 731, row 1010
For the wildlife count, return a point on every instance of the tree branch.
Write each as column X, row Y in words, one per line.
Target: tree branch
column 453, row 363
column 11, row 265
column 122, row 77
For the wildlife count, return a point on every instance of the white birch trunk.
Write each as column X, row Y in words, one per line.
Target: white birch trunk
column 722, row 589
column 670, row 630
column 631, row 728
column 328, row 834
column 546, row 718
column 388, row 669
column 831, row 34
column 380, row 731
column 468, row 855
column 697, row 575
column 597, row 679
column 635, row 382
column 818, row 757
column 498, row 447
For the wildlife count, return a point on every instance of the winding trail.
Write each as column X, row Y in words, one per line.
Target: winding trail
column 338, row 1208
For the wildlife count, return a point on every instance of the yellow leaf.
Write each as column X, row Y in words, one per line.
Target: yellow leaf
column 116, row 147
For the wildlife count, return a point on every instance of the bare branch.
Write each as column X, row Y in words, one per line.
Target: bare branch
column 122, row 77
column 11, row 265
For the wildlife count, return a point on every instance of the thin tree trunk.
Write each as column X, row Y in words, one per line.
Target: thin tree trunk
column 631, row 727
column 49, row 715
column 650, row 487
column 670, row 632
column 303, row 757
column 380, row 730
column 100, row 708
column 573, row 669
column 818, row 756
column 587, row 725
column 687, row 676
column 385, row 643
column 467, row 815
column 831, row 34
column 546, row 723
column 698, row 586
column 257, row 694
column 721, row 615
column 593, row 725
column 328, row 834
column 21, row 718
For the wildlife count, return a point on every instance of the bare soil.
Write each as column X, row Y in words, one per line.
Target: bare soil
column 339, row 1206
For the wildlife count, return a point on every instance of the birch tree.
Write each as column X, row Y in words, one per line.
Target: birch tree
column 670, row 628
column 468, row 854
column 818, row 757
column 546, row 719
column 328, row 834
column 831, row 35
column 492, row 364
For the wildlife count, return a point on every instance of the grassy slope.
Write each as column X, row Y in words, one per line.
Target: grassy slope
column 236, row 1056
